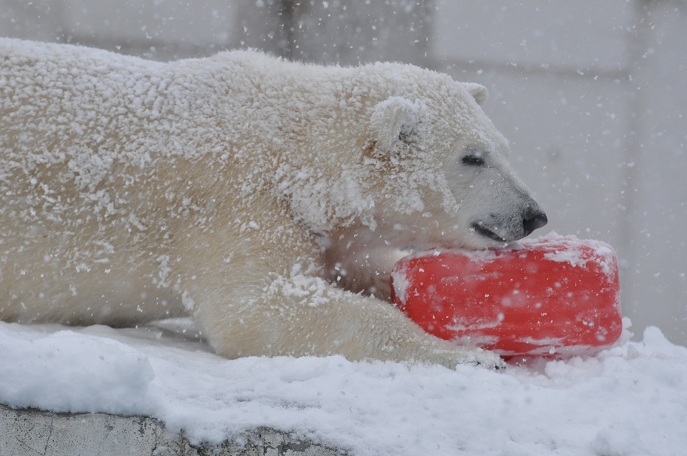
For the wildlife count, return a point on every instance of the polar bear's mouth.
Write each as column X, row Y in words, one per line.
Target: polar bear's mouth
column 488, row 233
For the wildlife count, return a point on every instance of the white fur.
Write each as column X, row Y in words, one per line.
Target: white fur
column 232, row 188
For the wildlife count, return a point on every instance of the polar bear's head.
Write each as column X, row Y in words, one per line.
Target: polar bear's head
column 446, row 176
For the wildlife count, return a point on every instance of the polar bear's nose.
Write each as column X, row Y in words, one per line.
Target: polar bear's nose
column 534, row 218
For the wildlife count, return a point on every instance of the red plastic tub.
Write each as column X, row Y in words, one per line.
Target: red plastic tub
column 557, row 295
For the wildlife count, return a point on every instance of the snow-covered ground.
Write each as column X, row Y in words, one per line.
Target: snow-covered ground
column 627, row 400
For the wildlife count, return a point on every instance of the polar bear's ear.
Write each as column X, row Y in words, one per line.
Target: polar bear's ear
column 478, row 91
column 394, row 124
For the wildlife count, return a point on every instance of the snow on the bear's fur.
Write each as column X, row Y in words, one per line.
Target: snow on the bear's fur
column 255, row 194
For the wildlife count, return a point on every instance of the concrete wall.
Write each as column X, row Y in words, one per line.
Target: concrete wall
column 34, row 432
column 591, row 94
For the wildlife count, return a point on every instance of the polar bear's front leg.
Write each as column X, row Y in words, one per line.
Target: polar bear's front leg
column 305, row 316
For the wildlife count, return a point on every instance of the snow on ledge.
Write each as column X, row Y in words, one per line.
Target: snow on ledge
column 626, row 400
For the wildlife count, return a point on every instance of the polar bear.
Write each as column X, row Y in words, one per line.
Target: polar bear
column 266, row 199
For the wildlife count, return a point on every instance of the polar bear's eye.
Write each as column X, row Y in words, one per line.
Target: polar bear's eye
column 473, row 160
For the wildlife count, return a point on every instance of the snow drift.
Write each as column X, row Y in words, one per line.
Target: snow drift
column 627, row 400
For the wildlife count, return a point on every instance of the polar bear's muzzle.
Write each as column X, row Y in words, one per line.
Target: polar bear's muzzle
column 508, row 229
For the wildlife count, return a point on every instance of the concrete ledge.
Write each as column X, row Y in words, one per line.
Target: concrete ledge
column 30, row 432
